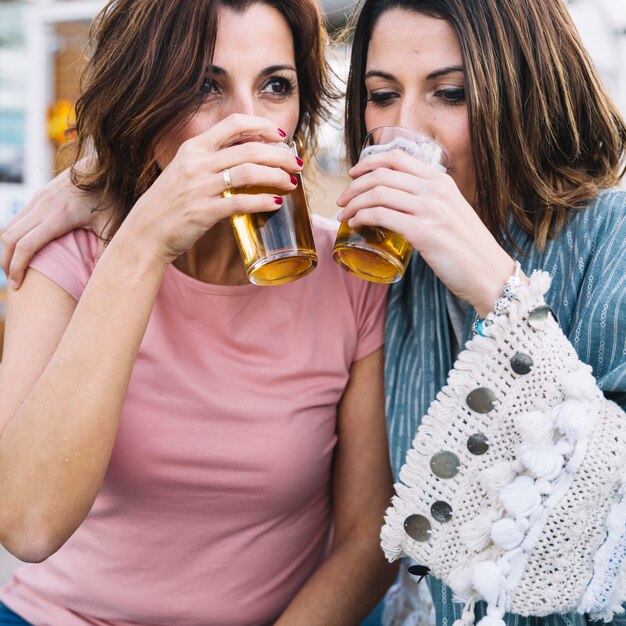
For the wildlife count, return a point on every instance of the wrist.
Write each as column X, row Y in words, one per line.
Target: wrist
column 512, row 286
column 146, row 235
column 493, row 284
column 140, row 255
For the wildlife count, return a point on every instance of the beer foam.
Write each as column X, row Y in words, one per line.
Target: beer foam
column 426, row 151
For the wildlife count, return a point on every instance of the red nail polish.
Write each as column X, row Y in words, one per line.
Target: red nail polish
column 278, row 200
column 299, row 161
column 281, row 132
column 294, row 180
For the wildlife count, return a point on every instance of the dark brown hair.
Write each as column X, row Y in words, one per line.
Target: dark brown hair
column 145, row 77
column 545, row 135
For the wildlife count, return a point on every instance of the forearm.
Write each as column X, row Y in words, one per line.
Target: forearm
column 57, row 444
column 346, row 587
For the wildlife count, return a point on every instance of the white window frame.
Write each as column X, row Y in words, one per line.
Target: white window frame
column 41, row 18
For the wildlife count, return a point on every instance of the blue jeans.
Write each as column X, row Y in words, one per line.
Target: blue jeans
column 375, row 618
column 8, row 618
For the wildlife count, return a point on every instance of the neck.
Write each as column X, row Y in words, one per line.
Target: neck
column 214, row 258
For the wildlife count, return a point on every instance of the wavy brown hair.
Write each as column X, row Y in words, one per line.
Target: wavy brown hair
column 146, row 74
column 545, row 135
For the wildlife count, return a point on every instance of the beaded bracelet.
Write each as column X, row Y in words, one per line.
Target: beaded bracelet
column 503, row 303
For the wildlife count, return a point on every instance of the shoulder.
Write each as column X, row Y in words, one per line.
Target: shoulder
column 610, row 200
column 79, row 243
column 600, row 223
column 70, row 260
column 604, row 216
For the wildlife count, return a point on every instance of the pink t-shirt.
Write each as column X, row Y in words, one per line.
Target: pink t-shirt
column 216, row 506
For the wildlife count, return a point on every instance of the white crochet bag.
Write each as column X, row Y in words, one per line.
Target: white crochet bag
column 514, row 491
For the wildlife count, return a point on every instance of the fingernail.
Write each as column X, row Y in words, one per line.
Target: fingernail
column 278, row 200
column 299, row 161
column 281, row 132
column 339, row 215
column 294, row 180
column 13, row 283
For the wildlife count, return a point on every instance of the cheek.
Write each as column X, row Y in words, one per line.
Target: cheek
column 168, row 147
column 462, row 170
column 374, row 117
column 454, row 136
column 287, row 118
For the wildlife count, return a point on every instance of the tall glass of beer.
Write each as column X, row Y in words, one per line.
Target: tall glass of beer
column 373, row 253
column 276, row 247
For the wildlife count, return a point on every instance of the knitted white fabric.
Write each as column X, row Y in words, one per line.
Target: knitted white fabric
column 534, row 519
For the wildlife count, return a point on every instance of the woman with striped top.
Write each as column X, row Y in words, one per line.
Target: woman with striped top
column 535, row 147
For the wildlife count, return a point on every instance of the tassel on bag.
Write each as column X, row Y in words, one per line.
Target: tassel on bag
column 542, row 461
column 534, row 427
column 507, row 533
column 521, row 497
column 476, row 534
column 493, row 479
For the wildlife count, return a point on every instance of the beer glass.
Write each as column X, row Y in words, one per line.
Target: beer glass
column 374, row 253
column 276, row 247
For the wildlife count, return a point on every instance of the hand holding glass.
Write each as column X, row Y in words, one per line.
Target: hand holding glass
column 276, row 247
column 371, row 252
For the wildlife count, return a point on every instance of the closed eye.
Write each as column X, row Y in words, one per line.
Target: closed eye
column 451, row 96
column 382, row 98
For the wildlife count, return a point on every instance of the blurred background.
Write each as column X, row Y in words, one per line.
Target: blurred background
column 41, row 56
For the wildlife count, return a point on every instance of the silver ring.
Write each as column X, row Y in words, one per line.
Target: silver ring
column 227, row 184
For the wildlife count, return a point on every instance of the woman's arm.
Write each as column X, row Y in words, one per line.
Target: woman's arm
column 66, row 367
column 63, row 380
column 56, row 209
column 355, row 574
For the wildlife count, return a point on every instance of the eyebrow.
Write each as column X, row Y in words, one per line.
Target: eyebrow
column 451, row 69
column 272, row 69
column 215, row 69
column 436, row 74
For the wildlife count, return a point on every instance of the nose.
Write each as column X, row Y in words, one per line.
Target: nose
column 415, row 115
column 244, row 102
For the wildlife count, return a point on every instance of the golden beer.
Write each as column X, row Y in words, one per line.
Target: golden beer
column 374, row 254
column 276, row 247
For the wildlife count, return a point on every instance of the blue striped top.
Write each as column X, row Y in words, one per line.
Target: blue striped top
column 587, row 263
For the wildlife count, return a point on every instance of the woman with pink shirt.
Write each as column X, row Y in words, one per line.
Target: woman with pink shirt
column 178, row 448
